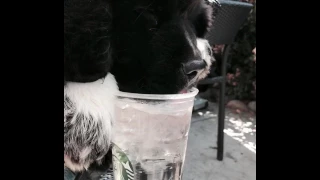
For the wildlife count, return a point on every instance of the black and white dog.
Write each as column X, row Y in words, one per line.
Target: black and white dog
column 140, row 46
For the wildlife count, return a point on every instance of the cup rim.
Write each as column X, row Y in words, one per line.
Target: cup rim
column 190, row 94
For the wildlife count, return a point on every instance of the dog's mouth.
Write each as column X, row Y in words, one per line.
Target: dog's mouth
column 194, row 81
column 191, row 84
column 187, row 88
column 183, row 91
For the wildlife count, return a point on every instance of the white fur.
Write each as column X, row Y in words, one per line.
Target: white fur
column 95, row 99
column 203, row 46
column 186, row 33
column 85, row 152
column 206, row 54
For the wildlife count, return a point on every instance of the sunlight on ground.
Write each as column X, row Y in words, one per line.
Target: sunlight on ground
column 207, row 114
column 240, row 128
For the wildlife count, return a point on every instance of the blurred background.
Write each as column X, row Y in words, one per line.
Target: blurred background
column 238, row 160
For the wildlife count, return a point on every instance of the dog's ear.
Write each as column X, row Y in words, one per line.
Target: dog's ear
column 203, row 21
column 87, row 52
column 200, row 14
column 201, row 18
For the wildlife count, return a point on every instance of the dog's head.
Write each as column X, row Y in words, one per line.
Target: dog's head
column 158, row 45
column 151, row 46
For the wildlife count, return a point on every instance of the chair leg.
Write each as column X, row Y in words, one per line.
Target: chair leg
column 221, row 113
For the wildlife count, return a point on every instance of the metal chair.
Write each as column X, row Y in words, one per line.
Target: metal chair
column 231, row 15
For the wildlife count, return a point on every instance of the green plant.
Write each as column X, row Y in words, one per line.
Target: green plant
column 242, row 70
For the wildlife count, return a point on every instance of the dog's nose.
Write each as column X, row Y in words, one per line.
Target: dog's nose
column 191, row 68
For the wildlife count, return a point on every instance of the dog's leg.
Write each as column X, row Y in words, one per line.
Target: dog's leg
column 88, row 115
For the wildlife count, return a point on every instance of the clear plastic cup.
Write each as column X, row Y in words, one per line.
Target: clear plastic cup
column 150, row 135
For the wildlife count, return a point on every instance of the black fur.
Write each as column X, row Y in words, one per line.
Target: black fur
column 141, row 42
column 87, row 40
column 144, row 38
column 150, row 45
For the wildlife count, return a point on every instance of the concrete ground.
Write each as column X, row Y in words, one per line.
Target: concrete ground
column 239, row 161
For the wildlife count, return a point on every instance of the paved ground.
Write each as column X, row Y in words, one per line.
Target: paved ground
column 240, row 147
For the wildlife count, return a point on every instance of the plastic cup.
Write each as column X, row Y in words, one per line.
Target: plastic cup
column 150, row 135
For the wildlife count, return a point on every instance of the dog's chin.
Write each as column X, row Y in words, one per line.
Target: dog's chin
column 184, row 91
column 188, row 87
column 193, row 83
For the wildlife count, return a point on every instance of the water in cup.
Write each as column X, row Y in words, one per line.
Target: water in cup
column 150, row 138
